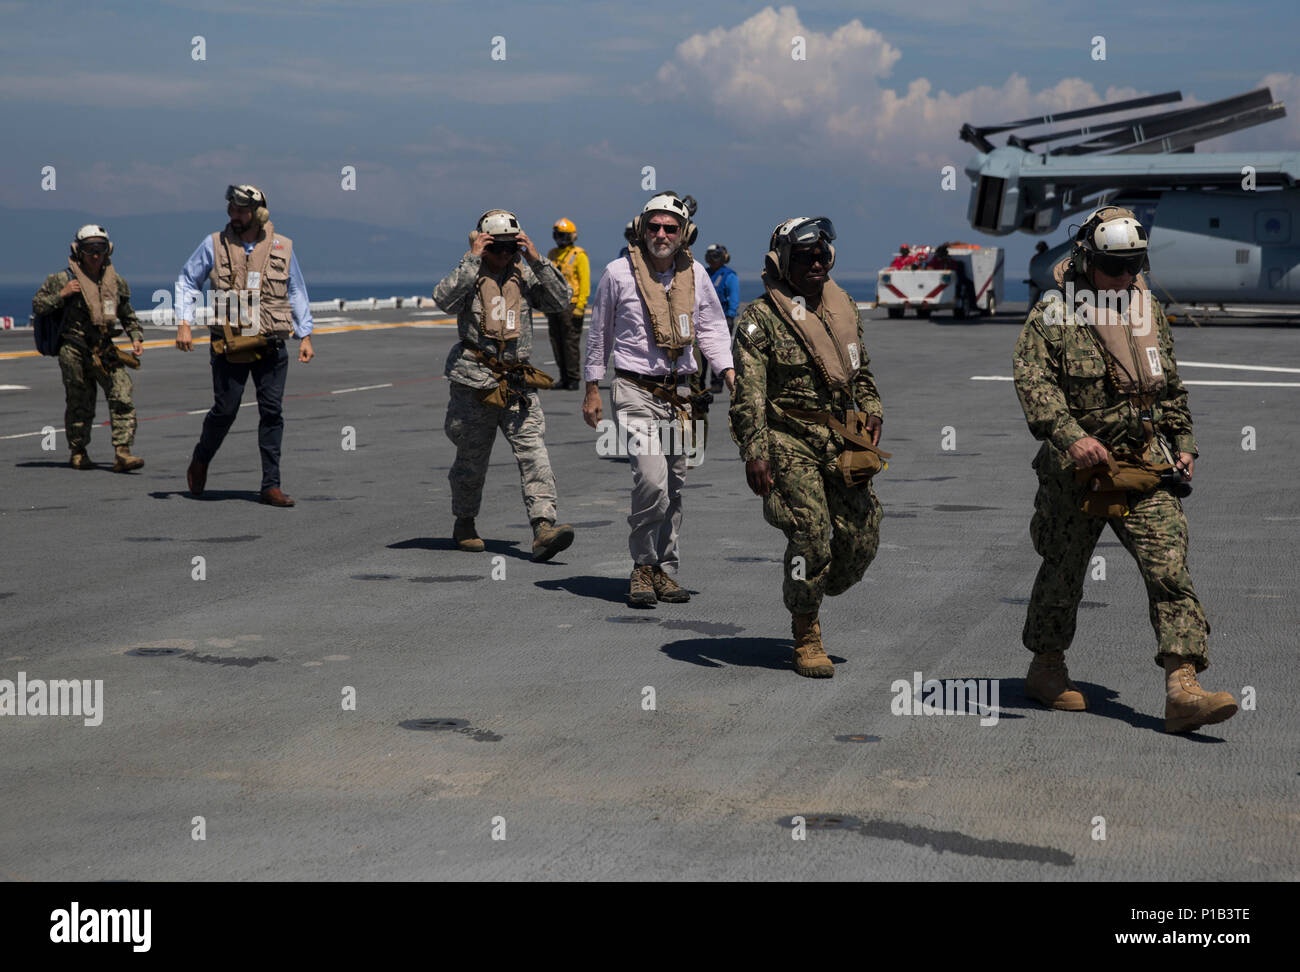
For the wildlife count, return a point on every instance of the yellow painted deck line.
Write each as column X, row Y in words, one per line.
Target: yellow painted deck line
column 327, row 329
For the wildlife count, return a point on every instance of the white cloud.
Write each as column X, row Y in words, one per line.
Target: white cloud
column 839, row 97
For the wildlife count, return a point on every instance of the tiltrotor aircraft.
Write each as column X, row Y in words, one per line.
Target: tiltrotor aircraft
column 1224, row 227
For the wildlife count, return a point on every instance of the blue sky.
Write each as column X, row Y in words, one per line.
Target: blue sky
column 588, row 93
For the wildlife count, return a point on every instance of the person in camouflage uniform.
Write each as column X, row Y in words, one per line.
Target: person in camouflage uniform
column 86, row 354
column 1079, row 398
column 832, row 529
column 481, row 401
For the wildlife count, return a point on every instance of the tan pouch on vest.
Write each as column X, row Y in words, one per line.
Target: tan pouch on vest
column 239, row 348
column 498, row 395
column 860, row 460
column 1112, row 482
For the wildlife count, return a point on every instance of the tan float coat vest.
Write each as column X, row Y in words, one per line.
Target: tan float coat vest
column 672, row 312
column 830, row 334
column 500, row 305
column 1128, row 340
column 270, row 259
column 100, row 298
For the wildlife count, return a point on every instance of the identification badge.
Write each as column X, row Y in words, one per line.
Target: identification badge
column 1153, row 358
column 254, row 281
column 854, row 357
column 684, row 325
column 110, row 309
column 510, row 320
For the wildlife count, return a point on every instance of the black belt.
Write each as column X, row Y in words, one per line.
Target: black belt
column 665, row 381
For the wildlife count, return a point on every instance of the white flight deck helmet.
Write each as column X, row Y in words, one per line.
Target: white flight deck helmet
column 501, row 224
column 667, row 202
column 800, row 231
column 1112, row 240
column 89, row 232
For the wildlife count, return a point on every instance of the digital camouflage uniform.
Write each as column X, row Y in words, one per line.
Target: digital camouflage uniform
column 833, row 527
column 82, row 371
column 1061, row 378
column 472, row 425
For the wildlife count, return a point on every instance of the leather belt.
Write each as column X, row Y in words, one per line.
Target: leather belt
column 659, row 381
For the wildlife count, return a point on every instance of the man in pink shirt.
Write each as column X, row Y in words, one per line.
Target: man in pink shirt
column 651, row 307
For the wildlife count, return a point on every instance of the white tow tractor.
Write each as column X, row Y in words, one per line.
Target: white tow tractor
column 967, row 281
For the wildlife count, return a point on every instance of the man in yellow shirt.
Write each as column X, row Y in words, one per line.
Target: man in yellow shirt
column 566, row 328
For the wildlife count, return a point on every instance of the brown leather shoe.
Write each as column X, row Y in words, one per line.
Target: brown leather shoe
column 641, row 589
column 196, row 477
column 667, row 589
column 275, row 497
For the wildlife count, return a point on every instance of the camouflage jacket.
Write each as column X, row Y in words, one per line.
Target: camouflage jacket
column 544, row 289
column 76, row 315
column 772, row 366
column 1066, row 393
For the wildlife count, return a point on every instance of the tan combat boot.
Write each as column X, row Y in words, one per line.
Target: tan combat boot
column 466, row 536
column 1048, row 681
column 1187, row 705
column 810, row 658
column 667, row 589
column 125, row 462
column 549, row 539
column 641, row 589
column 80, row 460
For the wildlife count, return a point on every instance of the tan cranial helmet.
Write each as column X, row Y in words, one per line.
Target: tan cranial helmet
column 249, row 197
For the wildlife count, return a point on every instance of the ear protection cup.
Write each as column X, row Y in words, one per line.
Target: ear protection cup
column 262, row 215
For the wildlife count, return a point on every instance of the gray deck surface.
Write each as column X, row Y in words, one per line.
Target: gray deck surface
column 359, row 586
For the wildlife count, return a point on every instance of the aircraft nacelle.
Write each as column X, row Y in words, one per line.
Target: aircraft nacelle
column 1001, row 202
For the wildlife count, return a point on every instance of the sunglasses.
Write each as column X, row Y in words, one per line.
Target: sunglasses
column 94, row 248
column 668, row 229
column 1113, row 265
column 809, row 255
column 505, row 248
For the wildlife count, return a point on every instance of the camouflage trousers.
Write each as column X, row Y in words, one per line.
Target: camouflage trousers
column 1154, row 532
column 834, row 529
column 472, row 428
column 80, row 376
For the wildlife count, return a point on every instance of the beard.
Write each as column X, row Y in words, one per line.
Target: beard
column 661, row 248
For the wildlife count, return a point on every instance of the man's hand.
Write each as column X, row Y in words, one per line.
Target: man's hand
column 184, row 340
column 758, row 473
column 479, row 243
column 729, row 379
column 305, row 352
column 73, row 286
column 525, row 244
column 874, row 424
column 1184, row 464
column 1088, row 452
column 591, row 408
column 137, row 347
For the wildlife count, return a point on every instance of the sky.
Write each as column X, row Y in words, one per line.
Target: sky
column 586, row 96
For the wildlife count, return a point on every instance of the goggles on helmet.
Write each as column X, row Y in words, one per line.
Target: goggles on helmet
column 1115, row 264
column 810, row 231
